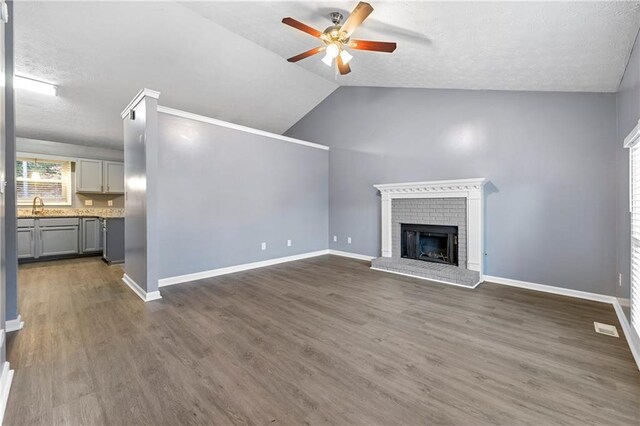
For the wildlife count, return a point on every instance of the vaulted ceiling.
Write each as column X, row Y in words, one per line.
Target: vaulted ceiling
column 100, row 54
column 227, row 59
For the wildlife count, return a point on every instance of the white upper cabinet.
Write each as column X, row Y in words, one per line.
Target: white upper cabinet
column 96, row 176
column 113, row 177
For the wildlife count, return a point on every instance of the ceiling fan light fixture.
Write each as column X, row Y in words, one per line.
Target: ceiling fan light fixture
column 345, row 56
column 333, row 50
column 336, row 38
column 328, row 60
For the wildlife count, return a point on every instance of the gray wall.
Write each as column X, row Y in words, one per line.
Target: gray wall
column 628, row 114
column 140, row 171
column 222, row 192
column 37, row 146
column 11, row 224
column 550, row 204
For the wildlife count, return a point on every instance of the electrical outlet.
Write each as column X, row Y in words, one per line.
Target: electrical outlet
column 110, row 203
column 348, row 240
column 264, row 246
column 620, row 279
column 288, row 243
column 88, row 202
column 335, row 238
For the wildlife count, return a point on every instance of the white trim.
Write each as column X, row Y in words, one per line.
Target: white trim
column 428, row 279
column 434, row 185
column 5, row 386
column 550, row 289
column 633, row 137
column 14, row 324
column 470, row 189
column 163, row 282
column 216, row 122
column 634, row 345
column 136, row 100
column 351, row 255
column 147, row 297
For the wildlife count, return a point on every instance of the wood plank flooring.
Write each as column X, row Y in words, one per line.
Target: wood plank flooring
column 317, row 341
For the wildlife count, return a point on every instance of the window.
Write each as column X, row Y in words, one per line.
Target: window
column 632, row 142
column 49, row 179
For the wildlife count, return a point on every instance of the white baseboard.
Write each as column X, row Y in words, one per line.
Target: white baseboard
column 147, row 297
column 427, row 279
column 351, row 255
column 550, row 289
column 6, row 378
column 163, row 282
column 632, row 339
column 14, row 324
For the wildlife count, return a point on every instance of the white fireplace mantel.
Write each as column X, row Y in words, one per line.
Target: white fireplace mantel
column 471, row 189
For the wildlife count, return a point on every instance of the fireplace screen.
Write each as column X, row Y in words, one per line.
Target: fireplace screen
column 431, row 243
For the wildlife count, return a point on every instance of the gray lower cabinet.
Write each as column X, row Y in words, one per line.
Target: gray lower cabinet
column 26, row 243
column 113, row 237
column 58, row 240
column 48, row 237
column 90, row 235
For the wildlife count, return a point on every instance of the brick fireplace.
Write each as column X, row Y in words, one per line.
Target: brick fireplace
column 422, row 222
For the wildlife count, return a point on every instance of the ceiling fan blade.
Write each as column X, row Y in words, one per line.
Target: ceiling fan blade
column 342, row 67
column 302, row 27
column 359, row 14
column 375, row 46
column 306, row 54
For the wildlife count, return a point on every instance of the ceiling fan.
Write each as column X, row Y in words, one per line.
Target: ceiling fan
column 337, row 38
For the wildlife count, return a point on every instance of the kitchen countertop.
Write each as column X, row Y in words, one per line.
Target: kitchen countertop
column 25, row 213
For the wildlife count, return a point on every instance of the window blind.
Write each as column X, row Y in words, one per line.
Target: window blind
column 49, row 179
column 634, row 173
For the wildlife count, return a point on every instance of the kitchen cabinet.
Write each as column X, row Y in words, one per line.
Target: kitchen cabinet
column 97, row 176
column 58, row 240
column 26, row 243
column 57, row 236
column 113, row 240
column 90, row 235
column 113, row 177
column 47, row 237
column 89, row 176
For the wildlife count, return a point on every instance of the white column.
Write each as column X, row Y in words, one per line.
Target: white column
column 386, row 225
column 474, row 230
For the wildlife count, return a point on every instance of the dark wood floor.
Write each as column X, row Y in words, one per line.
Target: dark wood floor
column 318, row 341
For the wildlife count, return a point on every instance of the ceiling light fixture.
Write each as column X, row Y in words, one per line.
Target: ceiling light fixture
column 345, row 56
column 32, row 85
column 337, row 38
column 332, row 52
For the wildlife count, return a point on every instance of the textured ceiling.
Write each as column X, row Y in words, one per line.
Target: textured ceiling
column 226, row 59
column 558, row 46
column 101, row 54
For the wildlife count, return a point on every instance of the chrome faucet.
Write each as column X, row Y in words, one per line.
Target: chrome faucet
column 38, row 205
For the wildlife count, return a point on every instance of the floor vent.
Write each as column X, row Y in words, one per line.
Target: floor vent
column 609, row 330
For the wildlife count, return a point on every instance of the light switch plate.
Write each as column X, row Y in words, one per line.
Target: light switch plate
column 110, row 203
column 88, row 202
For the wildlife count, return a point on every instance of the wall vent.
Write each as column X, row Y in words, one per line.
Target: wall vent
column 609, row 330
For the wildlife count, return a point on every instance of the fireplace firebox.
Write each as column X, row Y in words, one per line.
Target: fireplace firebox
column 431, row 243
